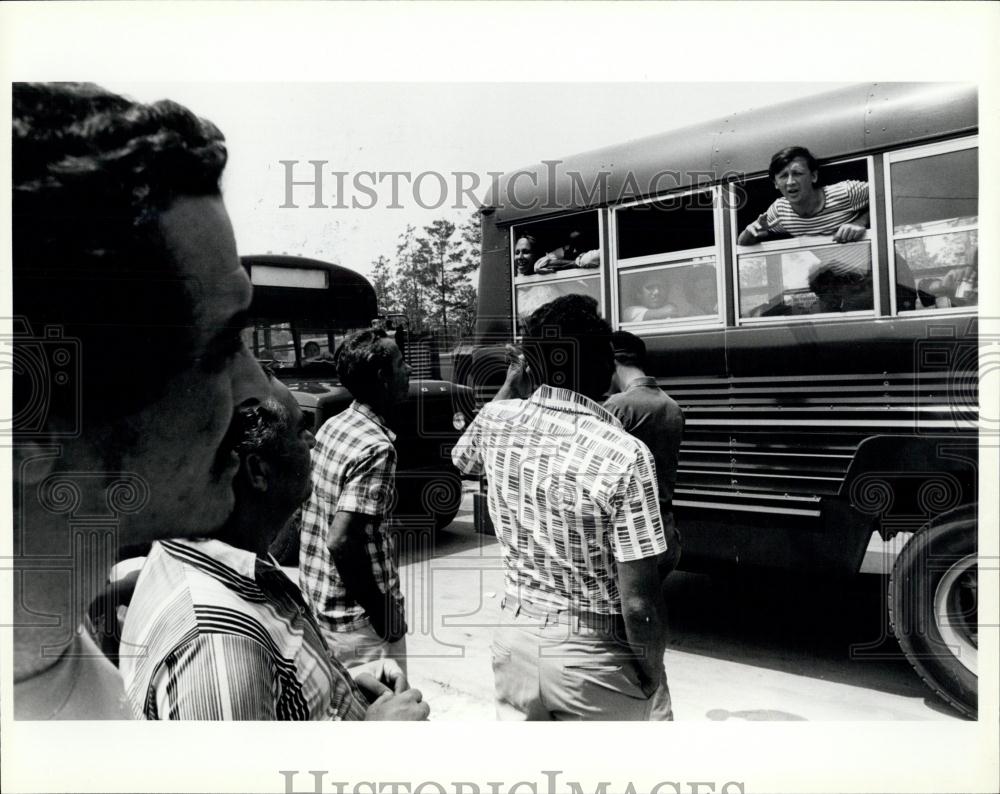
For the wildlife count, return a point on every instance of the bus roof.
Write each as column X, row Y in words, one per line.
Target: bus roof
column 348, row 301
column 849, row 121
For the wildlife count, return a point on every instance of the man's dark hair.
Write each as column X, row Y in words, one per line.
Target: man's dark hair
column 568, row 345
column 258, row 428
column 261, row 429
column 92, row 173
column 360, row 359
column 780, row 159
column 629, row 349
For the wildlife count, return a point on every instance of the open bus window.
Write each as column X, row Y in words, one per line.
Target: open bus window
column 753, row 197
column 531, row 296
column 830, row 279
column 669, row 292
column 934, row 198
column 273, row 344
column 668, row 225
column 559, row 246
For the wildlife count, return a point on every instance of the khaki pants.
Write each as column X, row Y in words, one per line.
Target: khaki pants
column 551, row 669
column 363, row 644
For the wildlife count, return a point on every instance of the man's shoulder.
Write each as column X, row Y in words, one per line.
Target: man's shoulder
column 351, row 434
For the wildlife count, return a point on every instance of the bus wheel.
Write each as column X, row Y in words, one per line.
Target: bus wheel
column 933, row 608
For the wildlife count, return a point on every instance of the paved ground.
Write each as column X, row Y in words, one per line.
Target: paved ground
column 753, row 649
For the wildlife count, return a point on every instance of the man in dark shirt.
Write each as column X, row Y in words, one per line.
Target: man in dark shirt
column 649, row 414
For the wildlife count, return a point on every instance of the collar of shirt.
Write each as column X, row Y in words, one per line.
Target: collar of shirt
column 557, row 399
column 245, row 563
column 644, row 380
column 373, row 417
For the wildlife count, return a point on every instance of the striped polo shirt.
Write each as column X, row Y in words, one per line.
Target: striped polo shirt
column 570, row 493
column 354, row 470
column 843, row 202
column 216, row 633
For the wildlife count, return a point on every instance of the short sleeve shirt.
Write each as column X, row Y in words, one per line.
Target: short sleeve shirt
column 843, row 202
column 214, row 632
column 571, row 495
column 354, row 469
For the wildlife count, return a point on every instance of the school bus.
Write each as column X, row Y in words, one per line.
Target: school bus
column 301, row 311
column 813, row 420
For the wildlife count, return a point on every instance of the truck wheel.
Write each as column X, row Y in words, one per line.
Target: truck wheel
column 933, row 608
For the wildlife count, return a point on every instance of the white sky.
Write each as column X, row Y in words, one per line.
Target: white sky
column 416, row 127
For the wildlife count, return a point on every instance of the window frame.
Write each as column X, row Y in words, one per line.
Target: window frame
column 812, row 241
column 560, row 276
column 638, row 264
column 918, row 153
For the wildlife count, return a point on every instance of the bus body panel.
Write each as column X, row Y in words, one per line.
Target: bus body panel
column 791, row 423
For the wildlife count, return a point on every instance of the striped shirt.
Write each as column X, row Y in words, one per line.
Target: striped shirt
column 354, row 470
column 844, row 202
column 215, row 633
column 571, row 494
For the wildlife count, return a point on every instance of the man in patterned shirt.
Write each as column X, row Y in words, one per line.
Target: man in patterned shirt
column 347, row 555
column 216, row 630
column 574, row 501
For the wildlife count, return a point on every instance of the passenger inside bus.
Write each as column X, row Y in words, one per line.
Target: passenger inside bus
column 805, row 208
column 570, row 254
column 526, row 253
column 655, row 297
column 310, row 350
column 701, row 290
column 841, row 286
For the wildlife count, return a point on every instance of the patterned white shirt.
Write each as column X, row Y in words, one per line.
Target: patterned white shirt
column 354, row 470
column 215, row 633
column 570, row 493
column 844, row 202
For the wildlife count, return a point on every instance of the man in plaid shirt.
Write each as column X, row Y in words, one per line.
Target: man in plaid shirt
column 347, row 565
column 574, row 501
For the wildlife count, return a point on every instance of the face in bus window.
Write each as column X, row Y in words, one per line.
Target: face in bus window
column 525, row 253
column 796, row 182
column 701, row 291
column 653, row 293
column 310, row 350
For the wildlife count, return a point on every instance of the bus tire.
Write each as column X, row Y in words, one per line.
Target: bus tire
column 933, row 609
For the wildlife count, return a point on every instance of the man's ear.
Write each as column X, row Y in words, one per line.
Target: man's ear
column 257, row 472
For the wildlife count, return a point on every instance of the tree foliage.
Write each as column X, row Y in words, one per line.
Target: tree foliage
column 430, row 277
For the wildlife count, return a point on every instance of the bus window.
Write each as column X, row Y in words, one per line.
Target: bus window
column 530, row 296
column 274, row 344
column 756, row 195
column 667, row 225
column 817, row 280
column 556, row 247
column 668, row 292
column 934, row 206
column 667, row 259
column 555, row 257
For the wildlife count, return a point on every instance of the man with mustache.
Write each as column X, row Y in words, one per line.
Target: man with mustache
column 128, row 364
column 217, row 631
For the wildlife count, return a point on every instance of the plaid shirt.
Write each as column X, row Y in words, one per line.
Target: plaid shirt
column 570, row 493
column 354, row 468
column 215, row 633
